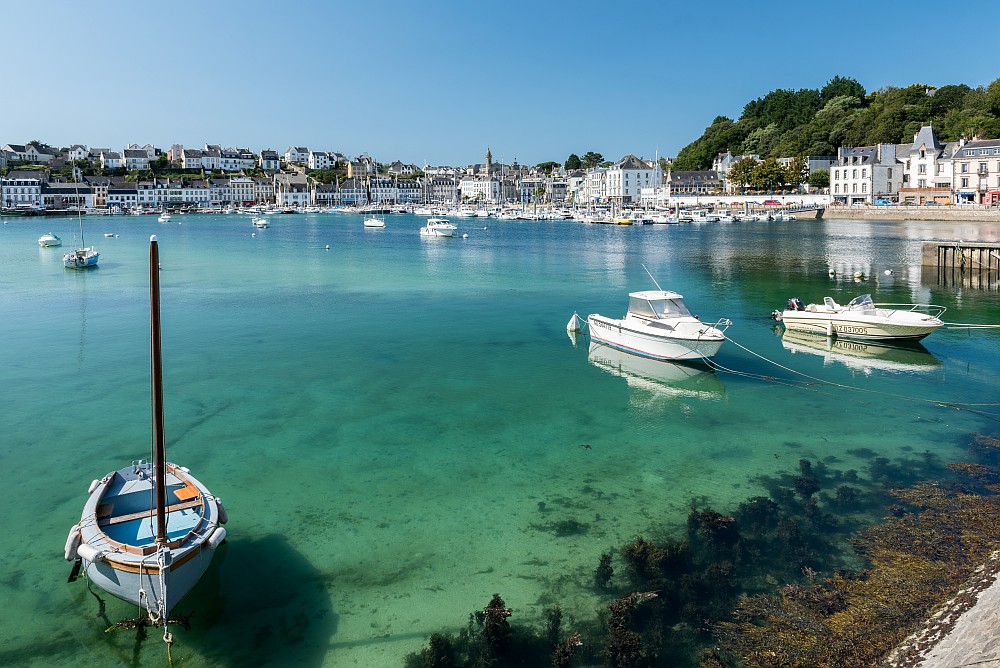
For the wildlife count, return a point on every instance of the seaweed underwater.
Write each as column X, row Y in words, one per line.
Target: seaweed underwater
column 832, row 568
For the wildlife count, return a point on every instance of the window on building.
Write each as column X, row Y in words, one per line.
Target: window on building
column 854, row 173
column 864, row 187
column 888, row 173
column 836, row 188
column 922, row 169
column 864, row 173
column 965, row 183
column 982, row 168
column 965, row 168
column 854, row 187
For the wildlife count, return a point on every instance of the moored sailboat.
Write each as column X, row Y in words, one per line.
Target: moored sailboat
column 148, row 530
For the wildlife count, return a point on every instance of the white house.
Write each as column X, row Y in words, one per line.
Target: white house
column 291, row 190
column 135, row 159
column 626, row 178
column 111, row 160
column 927, row 169
column 866, row 173
column 269, row 160
column 77, row 152
column 296, row 155
column 320, row 160
column 191, row 158
column 241, row 190
column 21, row 189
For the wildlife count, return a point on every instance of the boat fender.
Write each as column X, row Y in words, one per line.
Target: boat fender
column 73, row 542
column 829, row 328
column 223, row 515
column 93, row 486
column 185, row 469
column 89, row 553
column 216, row 538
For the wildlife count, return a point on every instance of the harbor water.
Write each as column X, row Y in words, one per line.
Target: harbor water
column 400, row 426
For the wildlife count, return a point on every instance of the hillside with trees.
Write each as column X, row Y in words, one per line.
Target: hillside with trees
column 787, row 123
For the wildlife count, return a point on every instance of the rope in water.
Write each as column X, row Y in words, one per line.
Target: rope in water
column 814, row 380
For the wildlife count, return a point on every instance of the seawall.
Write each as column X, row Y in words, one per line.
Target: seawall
column 984, row 214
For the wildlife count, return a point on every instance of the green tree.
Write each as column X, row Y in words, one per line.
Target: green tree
column 591, row 159
column 547, row 167
column 573, row 162
column 769, row 175
column 797, row 171
column 539, row 194
column 838, row 86
column 820, row 178
column 741, row 174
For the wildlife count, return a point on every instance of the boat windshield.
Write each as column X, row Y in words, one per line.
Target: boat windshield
column 861, row 302
column 657, row 308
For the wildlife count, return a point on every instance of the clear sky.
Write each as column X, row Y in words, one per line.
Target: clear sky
column 440, row 81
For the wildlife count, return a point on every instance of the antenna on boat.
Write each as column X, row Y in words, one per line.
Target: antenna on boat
column 651, row 276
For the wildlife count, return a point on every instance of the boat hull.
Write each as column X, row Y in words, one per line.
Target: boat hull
column 81, row 259
column 116, row 537
column 625, row 336
column 858, row 326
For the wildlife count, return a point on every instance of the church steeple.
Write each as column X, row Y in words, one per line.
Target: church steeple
column 489, row 163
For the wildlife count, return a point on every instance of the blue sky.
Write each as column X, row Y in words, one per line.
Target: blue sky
column 442, row 81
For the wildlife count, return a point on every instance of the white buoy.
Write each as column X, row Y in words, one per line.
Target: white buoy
column 465, row 236
column 328, row 246
column 859, row 274
column 253, row 234
column 831, row 273
column 575, row 324
column 888, row 272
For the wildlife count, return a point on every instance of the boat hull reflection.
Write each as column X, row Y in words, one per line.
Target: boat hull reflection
column 656, row 378
column 864, row 356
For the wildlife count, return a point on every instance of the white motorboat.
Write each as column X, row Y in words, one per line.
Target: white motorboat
column 164, row 217
column 259, row 223
column 438, row 227
column 49, row 240
column 374, row 222
column 658, row 325
column 861, row 318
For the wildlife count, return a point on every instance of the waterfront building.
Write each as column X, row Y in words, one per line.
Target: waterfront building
column 123, row 196
column 865, row 173
column 927, row 169
column 687, row 182
column 263, row 190
column 211, row 157
column 442, row 188
column 99, row 188
column 382, row 190
column 353, row 192
column 269, row 160
column 324, row 194
column 151, row 151
column 556, row 190
column 65, row 194
column 291, row 190
column 409, row 191
column 146, row 194
column 977, row 171
column 21, row 189
column 625, row 178
column 595, row 186
column 241, row 190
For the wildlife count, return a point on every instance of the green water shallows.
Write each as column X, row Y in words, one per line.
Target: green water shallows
column 395, row 424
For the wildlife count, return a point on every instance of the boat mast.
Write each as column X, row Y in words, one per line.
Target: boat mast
column 156, row 377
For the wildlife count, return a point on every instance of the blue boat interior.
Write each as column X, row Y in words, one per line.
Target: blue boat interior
column 126, row 513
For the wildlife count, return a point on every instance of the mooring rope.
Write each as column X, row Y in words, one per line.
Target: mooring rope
column 937, row 402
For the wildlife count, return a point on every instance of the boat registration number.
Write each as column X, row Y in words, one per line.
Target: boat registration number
column 850, row 329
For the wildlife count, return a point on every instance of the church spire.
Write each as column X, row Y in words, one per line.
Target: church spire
column 489, row 162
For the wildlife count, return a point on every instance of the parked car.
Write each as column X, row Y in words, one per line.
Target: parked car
column 883, row 202
column 772, row 202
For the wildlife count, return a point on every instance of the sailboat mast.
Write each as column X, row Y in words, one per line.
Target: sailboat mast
column 156, row 378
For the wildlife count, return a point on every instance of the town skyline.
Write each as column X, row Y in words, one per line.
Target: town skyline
column 438, row 83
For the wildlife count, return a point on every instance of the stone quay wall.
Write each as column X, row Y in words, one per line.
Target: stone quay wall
column 965, row 213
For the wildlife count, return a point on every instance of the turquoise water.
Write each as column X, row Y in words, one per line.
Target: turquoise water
column 395, row 424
